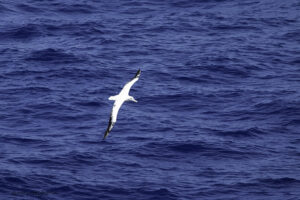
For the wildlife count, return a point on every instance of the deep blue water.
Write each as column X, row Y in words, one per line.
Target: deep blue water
column 218, row 112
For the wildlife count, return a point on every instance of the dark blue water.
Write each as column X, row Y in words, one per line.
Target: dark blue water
column 218, row 112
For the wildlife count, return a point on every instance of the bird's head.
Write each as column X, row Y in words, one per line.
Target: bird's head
column 132, row 99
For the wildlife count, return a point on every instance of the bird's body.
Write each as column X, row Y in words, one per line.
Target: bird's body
column 119, row 100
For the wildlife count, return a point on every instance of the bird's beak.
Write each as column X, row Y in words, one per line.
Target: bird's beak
column 135, row 100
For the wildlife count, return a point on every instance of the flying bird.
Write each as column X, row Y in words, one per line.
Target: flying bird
column 119, row 100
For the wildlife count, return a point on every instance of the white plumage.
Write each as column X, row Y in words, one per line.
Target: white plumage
column 119, row 100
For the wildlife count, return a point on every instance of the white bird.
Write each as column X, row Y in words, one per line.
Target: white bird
column 119, row 100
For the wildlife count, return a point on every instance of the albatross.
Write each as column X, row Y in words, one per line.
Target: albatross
column 119, row 100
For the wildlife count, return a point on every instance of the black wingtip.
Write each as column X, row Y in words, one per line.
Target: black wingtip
column 138, row 73
column 105, row 135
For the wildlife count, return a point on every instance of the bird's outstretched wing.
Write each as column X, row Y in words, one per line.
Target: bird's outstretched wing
column 128, row 85
column 113, row 117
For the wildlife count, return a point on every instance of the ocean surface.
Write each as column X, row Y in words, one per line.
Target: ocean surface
column 218, row 112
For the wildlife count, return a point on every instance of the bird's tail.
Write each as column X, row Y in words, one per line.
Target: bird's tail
column 113, row 98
